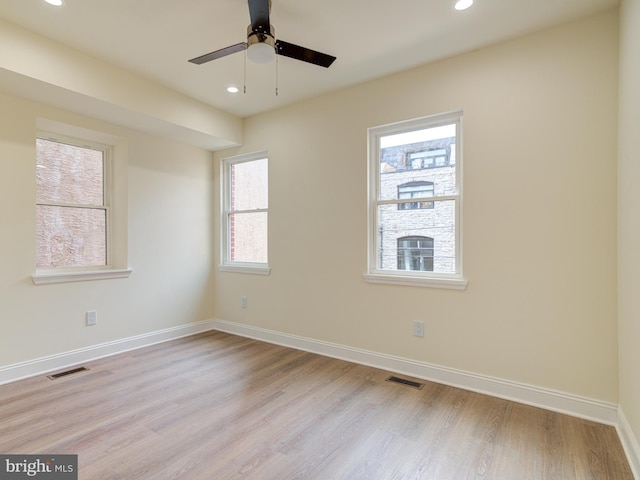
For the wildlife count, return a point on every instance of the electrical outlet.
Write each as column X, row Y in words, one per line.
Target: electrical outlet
column 92, row 318
column 418, row 328
column 243, row 302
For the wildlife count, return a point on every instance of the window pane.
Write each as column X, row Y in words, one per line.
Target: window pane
column 249, row 185
column 69, row 174
column 70, row 237
column 248, row 237
column 398, row 229
column 426, row 155
column 415, row 190
column 415, row 253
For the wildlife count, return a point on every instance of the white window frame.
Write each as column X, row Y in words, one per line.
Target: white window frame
column 453, row 281
column 116, row 254
column 226, row 264
column 106, row 193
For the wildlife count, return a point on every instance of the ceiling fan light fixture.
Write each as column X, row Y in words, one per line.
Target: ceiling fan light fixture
column 261, row 46
column 55, row 3
column 463, row 4
column 261, row 52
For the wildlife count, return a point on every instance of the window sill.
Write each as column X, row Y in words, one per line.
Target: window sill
column 80, row 276
column 246, row 268
column 446, row 283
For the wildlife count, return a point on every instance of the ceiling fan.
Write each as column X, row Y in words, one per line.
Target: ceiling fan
column 261, row 44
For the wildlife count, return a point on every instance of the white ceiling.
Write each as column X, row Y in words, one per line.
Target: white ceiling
column 371, row 38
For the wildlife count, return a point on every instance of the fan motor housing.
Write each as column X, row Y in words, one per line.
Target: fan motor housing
column 255, row 36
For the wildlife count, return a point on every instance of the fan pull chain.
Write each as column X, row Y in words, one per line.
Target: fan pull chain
column 244, row 79
column 276, row 75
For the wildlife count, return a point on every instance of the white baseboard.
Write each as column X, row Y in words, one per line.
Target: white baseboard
column 629, row 443
column 48, row 364
column 574, row 405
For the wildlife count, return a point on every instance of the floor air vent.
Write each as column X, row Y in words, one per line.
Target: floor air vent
column 404, row 381
column 68, row 372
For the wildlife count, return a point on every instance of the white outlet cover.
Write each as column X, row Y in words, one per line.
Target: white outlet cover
column 92, row 317
column 418, row 328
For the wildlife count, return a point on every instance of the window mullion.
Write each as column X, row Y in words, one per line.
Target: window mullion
column 394, row 201
column 73, row 205
column 254, row 210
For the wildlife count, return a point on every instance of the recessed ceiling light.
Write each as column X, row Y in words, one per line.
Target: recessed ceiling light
column 232, row 89
column 57, row 3
column 463, row 4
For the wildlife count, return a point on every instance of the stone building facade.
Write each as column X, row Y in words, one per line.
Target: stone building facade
column 418, row 235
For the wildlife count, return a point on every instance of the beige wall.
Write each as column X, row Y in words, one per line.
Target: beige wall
column 628, row 213
column 169, row 243
column 539, row 212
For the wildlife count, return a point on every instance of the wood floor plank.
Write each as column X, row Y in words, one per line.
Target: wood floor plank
column 219, row 406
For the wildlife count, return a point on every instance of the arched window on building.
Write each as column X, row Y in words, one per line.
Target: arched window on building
column 415, row 253
column 415, row 190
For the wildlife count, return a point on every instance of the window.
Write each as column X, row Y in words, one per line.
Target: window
column 415, row 190
column 415, row 253
column 416, row 242
column 81, row 204
column 72, row 211
column 431, row 158
column 245, row 198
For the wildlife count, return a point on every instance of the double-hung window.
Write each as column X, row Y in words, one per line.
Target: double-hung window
column 72, row 205
column 81, row 204
column 415, row 195
column 245, row 204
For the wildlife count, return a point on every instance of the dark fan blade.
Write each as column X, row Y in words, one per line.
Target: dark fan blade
column 300, row 53
column 223, row 52
column 259, row 13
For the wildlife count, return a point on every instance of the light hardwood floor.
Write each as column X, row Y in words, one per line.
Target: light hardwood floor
column 216, row 406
